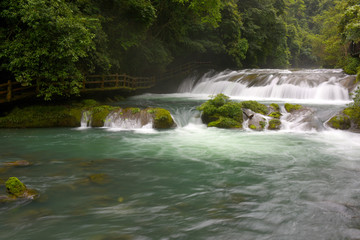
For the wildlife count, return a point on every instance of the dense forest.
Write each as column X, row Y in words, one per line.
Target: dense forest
column 57, row 42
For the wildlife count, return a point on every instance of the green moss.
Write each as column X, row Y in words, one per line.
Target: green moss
column 262, row 124
column 340, row 122
column 291, row 107
column 216, row 112
column 275, row 115
column 99, row 114
column 252, row 127
column 162, row 119
column 275, row 106
column 135, row 110
column 255, row 107
column 274, row 124
column 224, row 122
column 15, row 187
column 42, row 116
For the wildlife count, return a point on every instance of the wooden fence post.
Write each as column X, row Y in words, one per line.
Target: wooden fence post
column 116, row 80
column 102, row 81
column 9, row 95
column 84, row 81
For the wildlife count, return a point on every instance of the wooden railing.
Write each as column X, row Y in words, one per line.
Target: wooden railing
column 116, row 81
column 12, row 91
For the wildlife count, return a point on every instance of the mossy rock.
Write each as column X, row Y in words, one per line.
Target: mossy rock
column 221, row 112
column 275, row 115
column 99, row 114
column 15, row 187
column 257, row 122
column 162, row 119
column 224, row 122
column 275, row 107
column 340, row 121
column 291, row 107
column 255, row 107
column 274, row 124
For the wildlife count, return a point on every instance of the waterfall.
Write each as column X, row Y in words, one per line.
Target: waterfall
column 86, row 119
column 128, row 121
column 274, row 84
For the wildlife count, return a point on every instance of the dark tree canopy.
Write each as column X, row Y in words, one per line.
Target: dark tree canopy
column 56, row 43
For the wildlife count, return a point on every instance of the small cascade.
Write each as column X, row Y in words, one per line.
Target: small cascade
column 128, row 120
column 318, row 85
column 86, row 119
column 184, row 117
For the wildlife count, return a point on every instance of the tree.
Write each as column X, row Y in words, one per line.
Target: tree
column 43, row 42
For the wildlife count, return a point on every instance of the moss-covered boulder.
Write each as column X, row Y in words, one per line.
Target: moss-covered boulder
column 225, row 122
column 274, row 107
column 255, row 106
column 16, row 189
column 340, row 121
column 221, row 112
column 99, row 114
column 274, row 124
column 292, row 107
column 275, row 115
column 162, row 119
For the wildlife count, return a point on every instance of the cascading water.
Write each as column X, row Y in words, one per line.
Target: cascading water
column 310, row 85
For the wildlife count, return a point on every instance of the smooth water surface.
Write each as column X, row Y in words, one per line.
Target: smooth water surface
column 190, row 182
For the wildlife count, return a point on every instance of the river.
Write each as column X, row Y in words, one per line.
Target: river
column 194, row 182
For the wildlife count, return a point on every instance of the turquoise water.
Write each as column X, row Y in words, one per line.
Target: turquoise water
column 191, row 182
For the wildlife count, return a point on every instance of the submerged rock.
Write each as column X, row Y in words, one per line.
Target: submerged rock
column 18, row 163
column 99, row 178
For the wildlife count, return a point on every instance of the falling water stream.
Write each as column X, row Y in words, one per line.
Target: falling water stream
column 194, row 182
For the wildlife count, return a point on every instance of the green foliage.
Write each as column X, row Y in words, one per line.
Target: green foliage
column 353, row 109
column 291, row 107
column 44, row 44
column 255, row 107
column 351, row 65
column 225, row 122
column 15, row 187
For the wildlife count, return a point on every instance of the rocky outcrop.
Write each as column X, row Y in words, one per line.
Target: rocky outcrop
column 87, row 113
